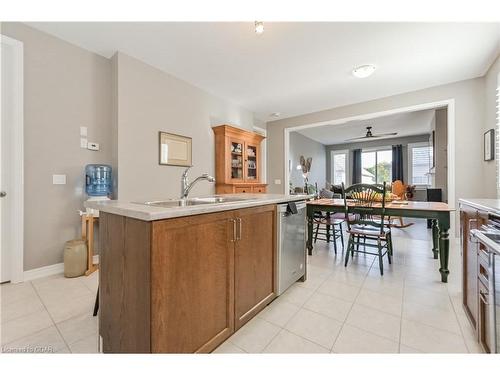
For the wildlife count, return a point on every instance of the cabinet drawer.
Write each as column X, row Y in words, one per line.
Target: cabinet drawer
column 239, row 189
column 259, row 189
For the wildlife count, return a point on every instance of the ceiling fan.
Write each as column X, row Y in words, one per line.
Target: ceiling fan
column 370, row 135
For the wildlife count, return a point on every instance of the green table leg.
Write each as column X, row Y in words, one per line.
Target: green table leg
column 444, row 249
column 327, row 227
column 310, row 215
column 435, row 238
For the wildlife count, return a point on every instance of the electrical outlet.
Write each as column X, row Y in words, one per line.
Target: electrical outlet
column 83, row 142
column 59, row 179
column 93, row 146
column 277, row 182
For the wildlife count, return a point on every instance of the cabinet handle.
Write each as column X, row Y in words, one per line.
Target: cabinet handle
column 238, row 235
column 234, row 230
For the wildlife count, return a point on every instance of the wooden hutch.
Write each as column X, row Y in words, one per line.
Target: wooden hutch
column 237, row 161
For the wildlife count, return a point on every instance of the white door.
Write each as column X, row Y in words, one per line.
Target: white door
column 11, row 164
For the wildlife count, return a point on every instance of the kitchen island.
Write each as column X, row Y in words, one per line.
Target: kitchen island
column 182, row 278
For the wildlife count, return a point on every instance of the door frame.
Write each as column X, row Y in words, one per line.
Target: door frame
column 448, row 103
column 17, row 139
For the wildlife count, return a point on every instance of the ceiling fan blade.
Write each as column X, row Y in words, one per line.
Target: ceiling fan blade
column 385, row 134
column 358, row 138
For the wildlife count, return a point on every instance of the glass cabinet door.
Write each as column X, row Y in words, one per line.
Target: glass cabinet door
column 251, row 162
column 236, row 159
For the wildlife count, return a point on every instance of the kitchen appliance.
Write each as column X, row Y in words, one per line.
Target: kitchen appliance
column 98, row 184
column 291, row 247
column 488, row 250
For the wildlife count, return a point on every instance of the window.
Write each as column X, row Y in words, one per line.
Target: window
column 339, row 167
column 420, row 159
column 376, row 166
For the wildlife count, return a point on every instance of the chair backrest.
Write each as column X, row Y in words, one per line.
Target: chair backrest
column 360, row 207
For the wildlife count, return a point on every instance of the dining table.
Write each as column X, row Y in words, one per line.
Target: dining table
column 438, row 212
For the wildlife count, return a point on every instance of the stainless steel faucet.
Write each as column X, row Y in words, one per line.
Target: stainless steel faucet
column 187, row 186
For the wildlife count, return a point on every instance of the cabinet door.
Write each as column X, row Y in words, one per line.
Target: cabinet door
column 255, row 262
column 237, row 162
column 469, row 220
column 252, row 160
column 192, row 283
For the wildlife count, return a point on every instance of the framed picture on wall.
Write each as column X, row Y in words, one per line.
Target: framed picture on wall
column 489, row 145
column 175, row 150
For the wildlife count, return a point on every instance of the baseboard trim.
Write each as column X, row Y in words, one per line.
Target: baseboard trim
column 37, row 273
column 53, row 269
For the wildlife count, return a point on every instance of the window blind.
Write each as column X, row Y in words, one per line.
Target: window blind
column 420, row 165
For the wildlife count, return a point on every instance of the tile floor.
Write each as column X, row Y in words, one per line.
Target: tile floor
column 355, row 310
column 337, row 310
column 49, row 315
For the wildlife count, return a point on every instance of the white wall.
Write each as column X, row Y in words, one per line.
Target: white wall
column 469, row 122
column 490, row 80
column 65, row 87
column 440, row 176
column 148, row 101
column 302, row 145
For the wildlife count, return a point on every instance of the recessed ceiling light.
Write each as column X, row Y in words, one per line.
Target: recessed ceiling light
column 276, row 114
column 259, row 27
column 363, row 71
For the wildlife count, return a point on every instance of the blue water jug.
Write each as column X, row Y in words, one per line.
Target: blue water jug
column 98, row 181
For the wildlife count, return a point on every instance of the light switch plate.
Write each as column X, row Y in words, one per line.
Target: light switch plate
column 277, row 182
column 83, row 131
column 83, row 142
column 59, row 179
column 93, row 146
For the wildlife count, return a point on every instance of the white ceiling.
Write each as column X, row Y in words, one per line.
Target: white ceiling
column 296, row 68
column 405, row 124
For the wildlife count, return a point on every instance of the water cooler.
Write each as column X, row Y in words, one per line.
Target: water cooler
column 98, row 184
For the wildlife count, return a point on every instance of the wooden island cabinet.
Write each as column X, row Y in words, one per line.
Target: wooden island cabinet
column 184, row 285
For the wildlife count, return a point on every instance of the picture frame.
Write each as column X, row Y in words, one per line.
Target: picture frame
column 175, row 150
column 489, row 145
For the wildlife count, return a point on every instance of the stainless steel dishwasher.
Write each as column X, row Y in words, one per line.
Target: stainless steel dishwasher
column 291, row 247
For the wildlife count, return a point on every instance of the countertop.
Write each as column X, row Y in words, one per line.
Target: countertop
column 151, row 213
column 489, row 205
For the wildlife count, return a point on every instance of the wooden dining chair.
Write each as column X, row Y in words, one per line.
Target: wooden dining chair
column 328, row 227
column 363, row 225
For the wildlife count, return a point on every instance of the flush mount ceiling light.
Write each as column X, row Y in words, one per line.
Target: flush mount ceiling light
column 276, row 114
column 363, row 71
column 259, row 27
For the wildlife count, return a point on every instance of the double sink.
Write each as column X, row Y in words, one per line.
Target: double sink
column 194, row 201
